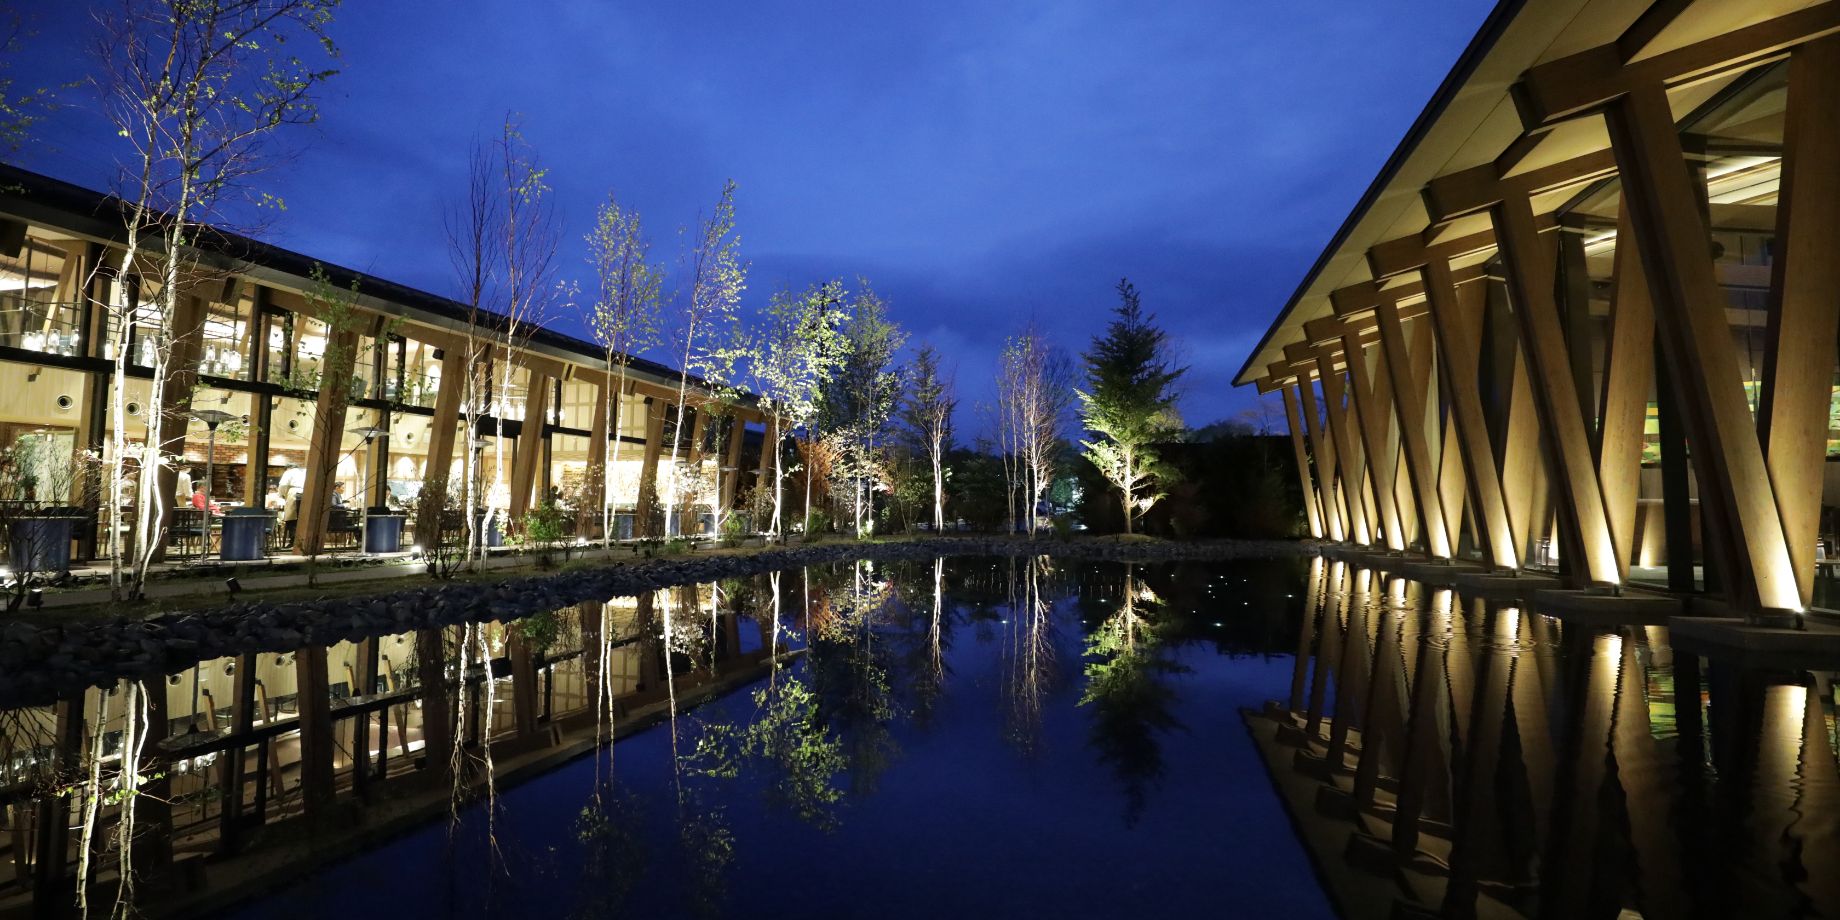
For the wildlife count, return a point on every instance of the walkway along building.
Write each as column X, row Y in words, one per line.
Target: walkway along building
column 1586, row 316
column 249, row 343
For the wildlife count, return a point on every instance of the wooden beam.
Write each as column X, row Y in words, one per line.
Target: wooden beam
column 1532, row 268
column 1333, row 520
column 1374, row 416
column 1590, row 80
column 1458, row 341
column 1409, row 408
column 1347, row 452
column 1479, row 188
column 1792, row 416
column 1695, row 334
column 1629, row 375
column 529, row 444
column 1649, row 26
column 647, row 524
column 1311, row 505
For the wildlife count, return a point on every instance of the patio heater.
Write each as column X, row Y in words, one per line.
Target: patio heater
column 211, row 419
column 370, row 434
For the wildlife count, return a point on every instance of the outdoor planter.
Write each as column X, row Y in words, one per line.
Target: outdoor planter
column 244, row 532
column 41, row 542
column 383, row 530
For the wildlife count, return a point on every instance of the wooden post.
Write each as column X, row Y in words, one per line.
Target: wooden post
column 524, row 702
column 327, row 442
column 731, row 472
column 1457, row 343
column 1375, row 432
column 176, row 406
column 646, row 522
column 531, row 437
column 441, row 434
column 1792, row 416
column 1353, row 474
column 1311, row 503
column 588, row 519
column 1325, row 460
column 1670, row 233
column 1629, row 372
column 437, row 700
column 317, row 746
column 1409, row 405
column 1584, row 529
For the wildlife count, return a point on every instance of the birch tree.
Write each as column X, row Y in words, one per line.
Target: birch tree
column 1036, row 389
column 195, row 90
column 624, row 317
column 1129, row 404
column 527, row 258
column 927, row 414
column 472, row 229
column 717, row 277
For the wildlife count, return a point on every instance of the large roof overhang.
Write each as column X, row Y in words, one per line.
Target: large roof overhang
column 1474, row 120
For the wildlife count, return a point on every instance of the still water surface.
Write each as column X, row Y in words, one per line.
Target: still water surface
column 965, row 738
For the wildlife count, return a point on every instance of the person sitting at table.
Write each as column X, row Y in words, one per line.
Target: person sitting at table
column 338, row 495
column 204, row 504
column 273, row 501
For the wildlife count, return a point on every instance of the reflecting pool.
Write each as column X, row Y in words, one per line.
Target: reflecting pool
column 968, row 737
column 959, row 737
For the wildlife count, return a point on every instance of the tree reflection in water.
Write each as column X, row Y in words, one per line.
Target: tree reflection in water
column 811, row 709
column 1127, row 671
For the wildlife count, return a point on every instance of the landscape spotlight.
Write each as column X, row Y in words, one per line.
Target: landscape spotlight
column 236, row 587
column 35, row 599
column 415, row 552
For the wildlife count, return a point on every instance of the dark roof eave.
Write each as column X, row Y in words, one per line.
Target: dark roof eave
column 1479, row 47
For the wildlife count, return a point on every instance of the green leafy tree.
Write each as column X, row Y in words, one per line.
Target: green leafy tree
column 1129, row 404
column 790, row 355
column 927, row 415
column 859, row 399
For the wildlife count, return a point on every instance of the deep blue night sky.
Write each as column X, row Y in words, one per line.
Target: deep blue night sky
column 980, row 162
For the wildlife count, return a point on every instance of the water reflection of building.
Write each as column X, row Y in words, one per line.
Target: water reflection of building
column 254, row 343
column 260, row 747
column 1469, row 759
column 1584, row 318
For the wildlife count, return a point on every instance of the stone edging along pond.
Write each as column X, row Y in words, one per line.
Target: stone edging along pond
column 39, row 662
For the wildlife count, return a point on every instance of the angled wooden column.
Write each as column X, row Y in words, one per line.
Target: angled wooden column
column 327, row 441
column 1584, row 529
column 594, row 483
column 731, row 461
column 1409, row 406
column 1375, row 433
column 1347, row 452
column 1523, row 465
column 646, row 522
column 1325, row 460
column 317, row 746
column 1311, row 505
column 1792, row 416
column 1629, row 373
column 529, row 444
column 1695, row 334
column 1457, row 344
column 176, row 406
column 441, row 431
